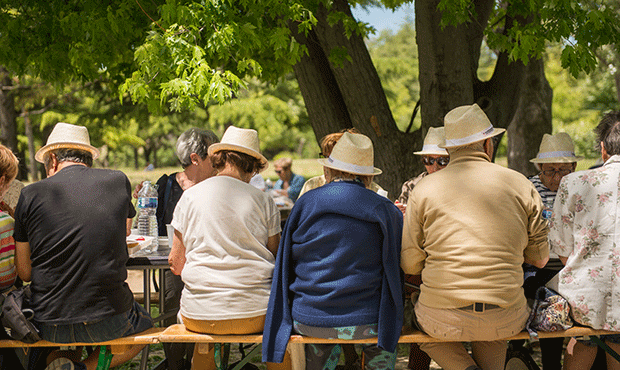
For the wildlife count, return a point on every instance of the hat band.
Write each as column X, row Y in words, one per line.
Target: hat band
column 556, row 154
column 348, row 167
column 432, row 148
column 471, row 138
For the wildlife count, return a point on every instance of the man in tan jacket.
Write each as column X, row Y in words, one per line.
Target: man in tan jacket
column 467, row 231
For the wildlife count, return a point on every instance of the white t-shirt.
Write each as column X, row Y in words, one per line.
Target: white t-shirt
column 225, row 224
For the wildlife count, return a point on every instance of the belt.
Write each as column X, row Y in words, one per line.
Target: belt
column 479, row 307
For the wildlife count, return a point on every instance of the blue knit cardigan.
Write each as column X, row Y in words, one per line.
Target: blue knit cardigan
column 338, row 264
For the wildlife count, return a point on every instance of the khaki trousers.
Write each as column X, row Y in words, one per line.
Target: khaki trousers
column 252, row 325
column 486, row 332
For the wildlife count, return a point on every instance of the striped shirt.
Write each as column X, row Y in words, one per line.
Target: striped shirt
column 547, row 195
column 7, row 252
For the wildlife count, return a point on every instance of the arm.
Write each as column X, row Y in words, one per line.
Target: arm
column 129, row 222
column 22, row 261
column 563, row 259
column 176, row 258
column 297, row 182
column 272, row 244
column 538, row 263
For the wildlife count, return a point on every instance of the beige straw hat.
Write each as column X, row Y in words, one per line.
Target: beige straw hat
column 65, row 135
column 556, row 148
column 434, row 137
column 244, row 140
column 353, row 153
column 467, row 124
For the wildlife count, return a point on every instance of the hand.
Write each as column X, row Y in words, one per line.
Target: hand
column 137, row 190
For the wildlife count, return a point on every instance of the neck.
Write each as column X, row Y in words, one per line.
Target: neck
column 191, row 175
column 234, row 171
column 61, row 165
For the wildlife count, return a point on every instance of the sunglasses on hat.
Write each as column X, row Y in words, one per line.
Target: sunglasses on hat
column 441, row 161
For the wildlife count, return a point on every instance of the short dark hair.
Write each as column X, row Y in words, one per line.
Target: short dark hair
column 244, row 162
column 608, row 132
column 69, row 154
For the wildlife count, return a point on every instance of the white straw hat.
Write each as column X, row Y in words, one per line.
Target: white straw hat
column 558, row 148
column 65, row 135
column 467, row 124
column 353, row 153
column 434, row 137
column 244, row 140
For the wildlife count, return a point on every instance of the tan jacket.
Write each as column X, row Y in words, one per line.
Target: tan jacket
column 467, row 230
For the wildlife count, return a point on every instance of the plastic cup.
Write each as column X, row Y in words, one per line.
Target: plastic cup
column 170, row 231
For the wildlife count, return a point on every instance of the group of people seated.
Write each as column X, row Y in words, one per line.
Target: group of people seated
column 472, row 237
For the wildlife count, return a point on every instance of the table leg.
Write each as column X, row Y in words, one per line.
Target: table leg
column 147, row 305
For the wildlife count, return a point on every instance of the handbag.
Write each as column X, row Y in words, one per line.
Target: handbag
column 551, row 312
column 17, row 316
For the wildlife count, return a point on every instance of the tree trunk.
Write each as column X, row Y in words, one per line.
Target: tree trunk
column 531, row 120
column 324, row 103
column 32, row 163
column 8, row 131
column 517, row 97
column 360, row 89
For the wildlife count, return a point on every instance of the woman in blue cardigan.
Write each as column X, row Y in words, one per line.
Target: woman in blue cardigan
column 337, row 272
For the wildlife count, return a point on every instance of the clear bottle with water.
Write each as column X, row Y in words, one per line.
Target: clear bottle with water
column 147, row 209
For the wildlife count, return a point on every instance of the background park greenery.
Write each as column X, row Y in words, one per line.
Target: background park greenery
column 205, row 64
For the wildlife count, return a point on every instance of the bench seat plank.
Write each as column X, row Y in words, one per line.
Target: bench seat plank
column 178, row 333
column 146, row 337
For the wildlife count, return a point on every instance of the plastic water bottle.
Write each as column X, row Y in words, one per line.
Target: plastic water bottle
column 147, row 209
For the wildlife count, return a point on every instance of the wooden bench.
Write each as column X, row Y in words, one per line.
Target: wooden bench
column 117, row 346
column 178, row 334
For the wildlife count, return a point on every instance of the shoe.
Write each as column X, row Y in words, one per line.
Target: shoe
column 65, row 364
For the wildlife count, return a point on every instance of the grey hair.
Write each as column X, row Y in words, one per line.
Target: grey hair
column 194, row 140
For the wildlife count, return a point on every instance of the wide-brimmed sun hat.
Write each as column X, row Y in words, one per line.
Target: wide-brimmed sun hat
column 67, row 136
column 244, row 140
column 558, row 148
column 353, row 153
column 467, row 124
column 434, row 137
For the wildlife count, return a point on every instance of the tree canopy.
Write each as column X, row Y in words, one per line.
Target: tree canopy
column 182, row 54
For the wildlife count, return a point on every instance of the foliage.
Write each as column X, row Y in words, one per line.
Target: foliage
column 276, row 111
column 579, row 29
column 396, row 59
column 200, row 51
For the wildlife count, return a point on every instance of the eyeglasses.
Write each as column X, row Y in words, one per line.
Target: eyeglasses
column 441, row 161
column 551, row 173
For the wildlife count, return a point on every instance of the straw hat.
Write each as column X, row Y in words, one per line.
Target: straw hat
column 353, row 153
column 65, row 135
column 244, row 140
column 467, row 124
column 434, row 137
column 556, row 148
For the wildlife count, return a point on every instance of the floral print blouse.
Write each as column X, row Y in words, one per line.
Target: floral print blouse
column 585, row 227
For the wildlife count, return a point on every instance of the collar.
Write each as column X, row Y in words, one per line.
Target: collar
column 468, row 155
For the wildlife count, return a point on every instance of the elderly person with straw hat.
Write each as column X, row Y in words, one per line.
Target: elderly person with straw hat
column 70, row 234
column 468, row 229
column 555, row 159
column 434, row 159
column 337, row 273
column 225, row 242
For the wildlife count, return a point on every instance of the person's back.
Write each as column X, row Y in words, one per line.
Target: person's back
column 229, row 222
column 75, row 222
column 476, row 225
column 70, row 244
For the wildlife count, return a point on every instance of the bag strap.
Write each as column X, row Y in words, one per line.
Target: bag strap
column 167, row 192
